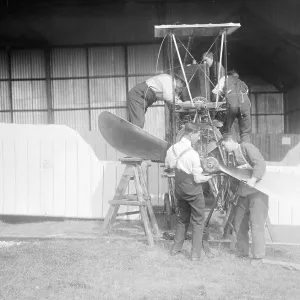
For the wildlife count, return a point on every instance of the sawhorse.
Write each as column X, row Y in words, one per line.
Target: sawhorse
column 142, row 199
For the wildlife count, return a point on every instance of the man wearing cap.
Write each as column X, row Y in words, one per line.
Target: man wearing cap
column 238, row 104
column 188, row 190
column 144, row 94
column 252, row 208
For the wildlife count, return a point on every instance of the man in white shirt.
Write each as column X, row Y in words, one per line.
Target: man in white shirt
column 188, row 190
column 238, row 104
column 144, row 94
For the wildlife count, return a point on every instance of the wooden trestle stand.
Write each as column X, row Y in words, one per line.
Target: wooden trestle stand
column 133, row 171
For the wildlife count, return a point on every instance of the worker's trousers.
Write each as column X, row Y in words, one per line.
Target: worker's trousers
column 251, row 213
column 191, row 211
column 139, row 98
column 242, row 114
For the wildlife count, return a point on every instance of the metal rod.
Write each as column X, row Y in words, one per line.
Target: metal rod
column 187, row 84
column 225, row 59
column 219, row 71
column 205, row 79
column 215, row 66
column 173, row 89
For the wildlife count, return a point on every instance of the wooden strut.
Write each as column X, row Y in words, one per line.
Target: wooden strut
column 133, row 171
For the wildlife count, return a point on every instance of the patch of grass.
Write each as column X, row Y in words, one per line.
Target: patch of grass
column 126, row 269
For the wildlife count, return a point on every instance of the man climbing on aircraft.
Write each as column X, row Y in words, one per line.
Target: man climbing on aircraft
column 144, row 94
column 214, row 66
column 252, row 207
column 188, row 190
column 238, row 104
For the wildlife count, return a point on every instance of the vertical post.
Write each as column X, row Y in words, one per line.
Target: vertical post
column 256, row 114
column 48, row 86
column 88, row 87
column 126, row 74
column 10, row 85
column 225, row 59
column 219, row 71
column 173, row 88
column 168, row 118
column 215, row 66
column 285, row 115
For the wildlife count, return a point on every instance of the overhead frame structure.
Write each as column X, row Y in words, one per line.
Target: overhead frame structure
column 195, row 30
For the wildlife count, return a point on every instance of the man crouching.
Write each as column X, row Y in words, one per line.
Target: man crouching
column 188, row 190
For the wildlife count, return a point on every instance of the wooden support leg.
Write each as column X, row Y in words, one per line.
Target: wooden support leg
column 153, row 220
column 115, row 213
column 134, row 171
column 113, row 209
column 147, row 226
column 144, row 215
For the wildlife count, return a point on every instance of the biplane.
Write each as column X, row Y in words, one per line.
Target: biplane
column 198, row 107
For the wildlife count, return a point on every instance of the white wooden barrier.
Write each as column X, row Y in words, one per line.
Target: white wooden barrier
column 51, row 170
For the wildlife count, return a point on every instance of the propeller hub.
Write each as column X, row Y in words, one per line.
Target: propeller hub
column 210, row 164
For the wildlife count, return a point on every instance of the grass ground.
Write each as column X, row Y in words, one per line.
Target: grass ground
column 125, row 268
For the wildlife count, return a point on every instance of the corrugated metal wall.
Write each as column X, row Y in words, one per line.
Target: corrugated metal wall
column 144, row 62
column 72, row 86
column 293, row 110
column 28, row 86
column 267, row 112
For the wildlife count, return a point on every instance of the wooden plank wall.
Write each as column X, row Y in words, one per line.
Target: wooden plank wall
column 52, row 170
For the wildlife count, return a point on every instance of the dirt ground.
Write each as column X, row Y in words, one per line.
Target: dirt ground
column 122, row 266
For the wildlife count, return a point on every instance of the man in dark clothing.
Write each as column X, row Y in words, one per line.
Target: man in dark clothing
column 238, row 104
column 252, row 205
column 144, row 94
column 214, row 67
column 188, row 190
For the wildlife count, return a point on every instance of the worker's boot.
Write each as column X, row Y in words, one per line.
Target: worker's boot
column 196, row 242
column 178, row 239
